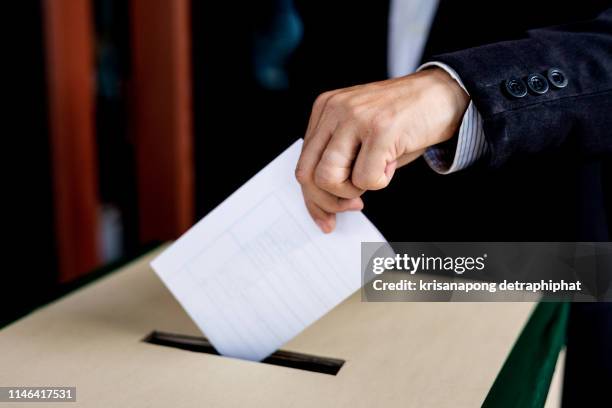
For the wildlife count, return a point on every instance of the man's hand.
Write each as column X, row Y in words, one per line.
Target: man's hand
column 357, row 137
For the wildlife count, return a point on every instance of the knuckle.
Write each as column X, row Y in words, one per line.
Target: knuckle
column 312, row 208
column 342, row 204
column 324, row 177
column 302, row 176
column 336, row 100
column 331, row 205
column 356, row 111
column 383, row 120
column 338, row 205
column 360, row 180
column 367, row 181
column 321, row 99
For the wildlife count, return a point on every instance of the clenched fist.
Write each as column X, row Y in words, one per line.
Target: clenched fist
column 357, row 137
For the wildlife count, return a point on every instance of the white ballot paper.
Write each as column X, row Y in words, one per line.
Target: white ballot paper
column 256, row 270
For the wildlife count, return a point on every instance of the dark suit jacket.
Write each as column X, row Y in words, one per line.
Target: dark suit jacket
column 572, row 126
column 547, row 175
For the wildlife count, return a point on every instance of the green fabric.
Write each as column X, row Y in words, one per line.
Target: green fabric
column 525, row 377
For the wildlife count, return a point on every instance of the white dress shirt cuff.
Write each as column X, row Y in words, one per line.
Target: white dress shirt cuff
column 470, row 144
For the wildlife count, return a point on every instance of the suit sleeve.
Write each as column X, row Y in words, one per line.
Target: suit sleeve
column 468, row 146
column 538, row 93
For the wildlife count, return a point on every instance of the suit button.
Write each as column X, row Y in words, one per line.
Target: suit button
column 516, row 87
column 537, row 83
column 557, row 78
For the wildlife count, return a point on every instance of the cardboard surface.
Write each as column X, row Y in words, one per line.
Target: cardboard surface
column 397, row 354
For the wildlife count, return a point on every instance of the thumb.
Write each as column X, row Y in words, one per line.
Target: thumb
column 390, row 170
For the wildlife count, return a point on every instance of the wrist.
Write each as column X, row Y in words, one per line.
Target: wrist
column 453, row 101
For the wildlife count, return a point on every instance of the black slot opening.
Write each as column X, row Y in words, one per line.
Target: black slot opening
column 324, row 365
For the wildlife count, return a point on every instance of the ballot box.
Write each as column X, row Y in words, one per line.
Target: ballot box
column 123, row 341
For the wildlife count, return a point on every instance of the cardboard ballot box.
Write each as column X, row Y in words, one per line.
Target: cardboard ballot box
column 383, row 354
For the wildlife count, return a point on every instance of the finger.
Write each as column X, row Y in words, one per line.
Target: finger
column 333, row 172
column 310, row 157
column 402, row 161
column 315, row 115
column 313, row 148
column 329, row 202
column 324, row 220
column 311, row 152
column 370, row 171
column 320, row 106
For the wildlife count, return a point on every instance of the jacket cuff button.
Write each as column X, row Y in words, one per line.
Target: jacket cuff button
column 515, row 87
column 537, row 83
column 557, row 78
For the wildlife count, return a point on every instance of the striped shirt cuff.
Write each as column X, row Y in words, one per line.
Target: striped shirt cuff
column 470, row 143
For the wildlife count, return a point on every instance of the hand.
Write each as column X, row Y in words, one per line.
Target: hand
column 357, row 137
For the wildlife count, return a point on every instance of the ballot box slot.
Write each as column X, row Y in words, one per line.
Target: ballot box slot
column 307, row 362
